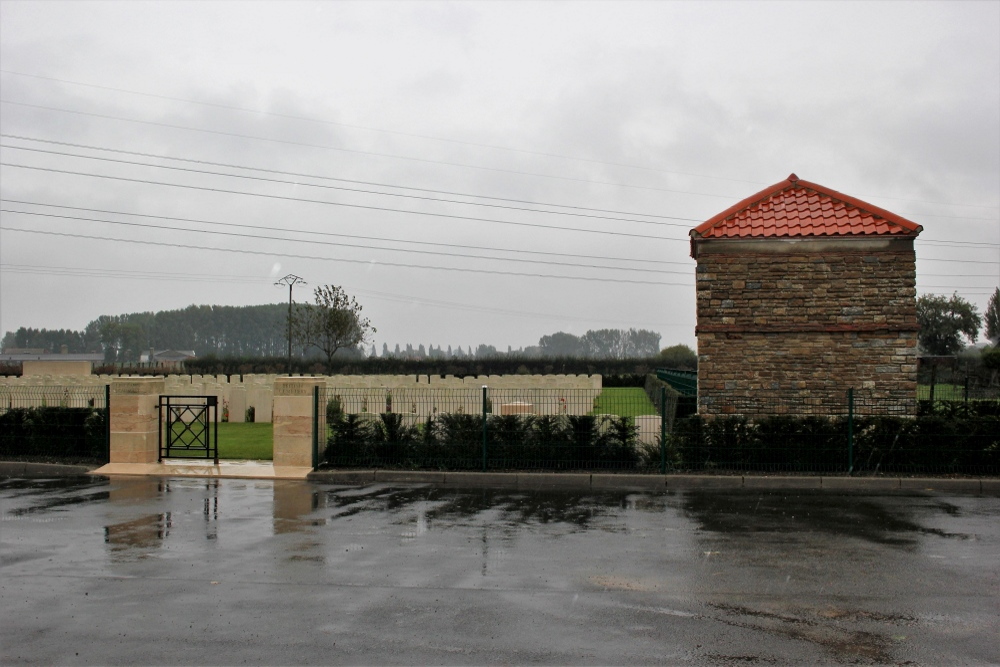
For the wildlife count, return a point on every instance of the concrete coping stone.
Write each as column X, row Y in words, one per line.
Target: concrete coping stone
column 29, row 469
column 944, row 484
column 540, row 481
column 626, row 482
column 545, row 480
column 493, row 480
column 782, row 482
column 410, row 476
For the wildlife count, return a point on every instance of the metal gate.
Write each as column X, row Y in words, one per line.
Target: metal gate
column 190, row 427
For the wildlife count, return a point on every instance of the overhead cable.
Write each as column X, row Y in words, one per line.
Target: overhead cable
column 329, row 203
column 340, row 244
column 351, row 236
column 372, row 263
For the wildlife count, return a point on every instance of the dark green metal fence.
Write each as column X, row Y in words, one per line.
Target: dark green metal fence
column 629, row 430
column 867, row 435
column 495, row 429
column 58, row 423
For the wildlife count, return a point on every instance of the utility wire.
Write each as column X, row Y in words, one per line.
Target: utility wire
column 356, row 182
column 340, row 244
column 340, row 259
column 328, row 187
column 594, row 211
column 329, row 203
column 443, row 139
column 353, row 236
column 376, row 129
column 359, row 152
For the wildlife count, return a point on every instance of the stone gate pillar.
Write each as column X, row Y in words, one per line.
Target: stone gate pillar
column 135, row 419
column 293, row 420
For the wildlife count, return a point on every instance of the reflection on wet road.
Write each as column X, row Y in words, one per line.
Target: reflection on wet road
column 187, row 571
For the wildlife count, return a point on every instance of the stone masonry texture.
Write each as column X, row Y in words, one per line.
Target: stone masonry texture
column 797, row 327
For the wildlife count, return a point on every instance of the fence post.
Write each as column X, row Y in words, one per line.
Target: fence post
column 315, row 428
column 850, row 431
column 663, row 430
column 484, row 427
column 107, row 423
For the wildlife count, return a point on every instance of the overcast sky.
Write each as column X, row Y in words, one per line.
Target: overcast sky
column 344, row 125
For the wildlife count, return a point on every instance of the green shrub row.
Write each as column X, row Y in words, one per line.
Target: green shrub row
column 54, row 432
column 932, row 444
column 455, row 442
column 634, row 369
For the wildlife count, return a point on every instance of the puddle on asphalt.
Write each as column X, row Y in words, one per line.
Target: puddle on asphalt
column 867, row 518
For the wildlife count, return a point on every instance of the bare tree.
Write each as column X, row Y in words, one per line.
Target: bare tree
column 332, row 323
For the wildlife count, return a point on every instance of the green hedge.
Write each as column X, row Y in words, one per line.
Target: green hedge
column 455, row 442
column 925, row 444
column 54, row 432
column 635, row 369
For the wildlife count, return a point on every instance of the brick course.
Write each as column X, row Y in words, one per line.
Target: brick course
column 801, row 323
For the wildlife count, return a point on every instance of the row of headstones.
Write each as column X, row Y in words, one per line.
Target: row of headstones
column 350, row 381
column 372, row 393
column 424, row 402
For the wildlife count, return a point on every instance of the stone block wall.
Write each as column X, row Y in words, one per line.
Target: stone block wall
column 796, row 325
column 361, row 393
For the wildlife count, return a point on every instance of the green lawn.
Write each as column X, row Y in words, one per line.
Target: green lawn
column 942, row 392
column 624, row 402
column 246, row 441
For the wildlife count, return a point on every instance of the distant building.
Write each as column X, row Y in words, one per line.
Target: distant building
column 166, row 358
column 802, row 293
column 34, row 362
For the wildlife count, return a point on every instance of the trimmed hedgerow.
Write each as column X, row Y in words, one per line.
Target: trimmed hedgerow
column 53, row 432
column 924, row 444
column 454, row 441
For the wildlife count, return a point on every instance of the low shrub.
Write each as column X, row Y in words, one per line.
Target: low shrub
column 454, row 441
column 928, row 443
column 54, row 432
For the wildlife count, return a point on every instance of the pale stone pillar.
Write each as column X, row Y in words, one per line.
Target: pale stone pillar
column 135, row 419
column 293, row 420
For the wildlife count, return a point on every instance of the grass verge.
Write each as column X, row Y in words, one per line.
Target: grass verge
column 624, row 402
column 250, row 441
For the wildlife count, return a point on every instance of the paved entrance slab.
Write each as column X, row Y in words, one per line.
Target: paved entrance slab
column 194, row 468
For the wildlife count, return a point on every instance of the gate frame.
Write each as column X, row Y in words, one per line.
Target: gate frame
column 210, row 406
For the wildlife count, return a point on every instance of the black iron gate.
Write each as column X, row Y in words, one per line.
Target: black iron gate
column 189, row 427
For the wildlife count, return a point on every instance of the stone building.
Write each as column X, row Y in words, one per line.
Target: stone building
column 802, row 293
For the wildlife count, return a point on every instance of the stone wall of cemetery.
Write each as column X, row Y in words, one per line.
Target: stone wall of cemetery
column 417, row 395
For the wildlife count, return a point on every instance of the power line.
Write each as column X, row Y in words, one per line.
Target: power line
column 959, row 243
column 381, row 130
column 377, row 184
column 340, row 259
column 340, row 244
column 354, row 181
column 358, row 152
column 329, row 203
column 328, row 187
column 961, row 261
column 353, row 236
column 443, row 139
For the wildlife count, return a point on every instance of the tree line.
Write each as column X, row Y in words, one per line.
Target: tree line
column 332, row 326
column 258, row 331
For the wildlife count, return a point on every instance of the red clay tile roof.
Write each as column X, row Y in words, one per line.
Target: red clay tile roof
column 794, row 208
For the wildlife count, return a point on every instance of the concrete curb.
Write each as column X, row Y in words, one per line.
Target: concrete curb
column 29, row 469
column 632, row 482
column 536, row 481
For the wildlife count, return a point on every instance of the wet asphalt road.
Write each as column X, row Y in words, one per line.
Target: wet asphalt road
column 185, row 571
